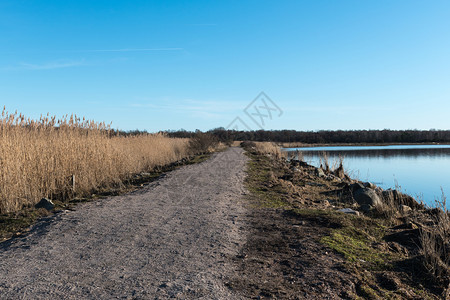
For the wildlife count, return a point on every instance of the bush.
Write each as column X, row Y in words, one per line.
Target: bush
column 203, row 143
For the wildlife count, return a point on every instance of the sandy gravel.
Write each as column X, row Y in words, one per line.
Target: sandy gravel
column 171, row 239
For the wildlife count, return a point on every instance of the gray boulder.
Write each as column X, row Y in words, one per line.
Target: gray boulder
column 367, row 197
column 366, row 207
column 349, row 211
column 369, row 185
column 356, row 186
column 405, row 209
column 45, row 203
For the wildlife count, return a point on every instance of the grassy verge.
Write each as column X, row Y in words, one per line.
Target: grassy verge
column 349, row 235
column 259, row 183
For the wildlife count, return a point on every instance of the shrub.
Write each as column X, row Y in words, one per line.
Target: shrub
column 203, row 143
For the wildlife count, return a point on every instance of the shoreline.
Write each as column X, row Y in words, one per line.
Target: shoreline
column 427, row 195
column 381, row 246
column 305, row 145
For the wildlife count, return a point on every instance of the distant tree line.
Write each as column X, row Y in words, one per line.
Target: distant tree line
column 325, row 136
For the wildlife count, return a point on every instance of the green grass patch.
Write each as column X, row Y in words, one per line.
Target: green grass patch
column 352, row 236
column 367, row 292
column 356, row 237
column 15, row 223
column 356, row 246
column 258, row 182
column 198, row 159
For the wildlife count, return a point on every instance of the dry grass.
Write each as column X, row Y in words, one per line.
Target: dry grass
column 324, row 163
column 295, row 155
column 388, row 208
column 294, row 145
column 435, row 243
column 268, row 148
column 337, row 167
column 38, row 158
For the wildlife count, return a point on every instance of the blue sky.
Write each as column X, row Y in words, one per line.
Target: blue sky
column 159, row 65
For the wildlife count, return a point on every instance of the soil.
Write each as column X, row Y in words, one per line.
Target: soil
column 283, row 259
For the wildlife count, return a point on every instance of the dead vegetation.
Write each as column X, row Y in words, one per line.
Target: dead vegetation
column 41, row 158
column 397, row 250
column 265, row 148
column 435, row 243
column 203, row 143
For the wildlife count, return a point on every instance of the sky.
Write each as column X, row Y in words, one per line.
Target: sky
column 168, row 65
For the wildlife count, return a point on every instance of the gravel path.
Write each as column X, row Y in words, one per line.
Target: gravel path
column 171, row 239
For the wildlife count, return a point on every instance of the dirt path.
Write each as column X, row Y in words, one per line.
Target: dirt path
column 173, row 238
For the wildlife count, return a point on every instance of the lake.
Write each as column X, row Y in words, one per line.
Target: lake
column 418, row 170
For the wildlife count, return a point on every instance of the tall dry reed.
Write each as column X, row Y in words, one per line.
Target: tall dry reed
column 435, row 243
column 40, row 158
column 268, row 148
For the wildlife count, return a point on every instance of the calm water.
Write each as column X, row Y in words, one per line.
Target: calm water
column 419, row 170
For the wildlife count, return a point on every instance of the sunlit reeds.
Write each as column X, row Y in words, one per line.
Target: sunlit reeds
column 40, row 158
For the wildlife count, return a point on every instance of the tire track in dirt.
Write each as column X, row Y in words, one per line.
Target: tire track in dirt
column 171, row 239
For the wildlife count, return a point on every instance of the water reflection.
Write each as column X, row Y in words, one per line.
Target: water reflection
column 386, row 153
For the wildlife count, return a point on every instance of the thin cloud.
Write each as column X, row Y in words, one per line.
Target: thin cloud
column 208, row 115
column 192, row 105
column 340, row 109
column 132, row 50
column 206, row 110
column 203, row 24
column 51, row 65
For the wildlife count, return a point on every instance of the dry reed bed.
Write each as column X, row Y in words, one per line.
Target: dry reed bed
column 268, row 148
column 38, row 158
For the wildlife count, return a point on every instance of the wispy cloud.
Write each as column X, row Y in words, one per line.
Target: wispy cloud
column 213, row 109
column 131, row 50
column 341, row 109
column 211, row 106
column 203, row 24
column 50, row 65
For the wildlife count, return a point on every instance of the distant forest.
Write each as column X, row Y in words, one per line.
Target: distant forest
column 325, row 136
